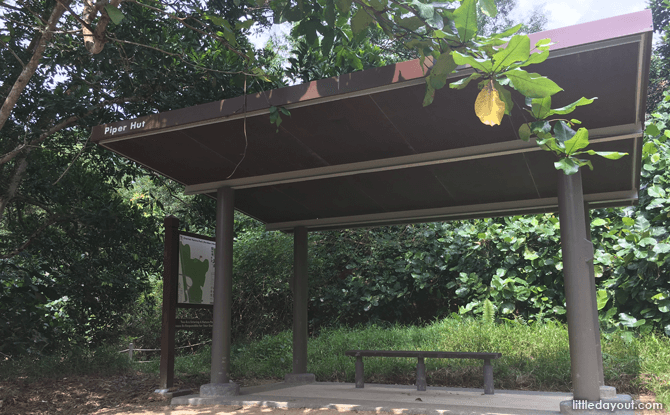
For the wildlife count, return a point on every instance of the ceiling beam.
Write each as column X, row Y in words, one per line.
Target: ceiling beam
column 453, row 213
column 622, row 132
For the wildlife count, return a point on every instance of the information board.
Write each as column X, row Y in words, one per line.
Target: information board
column 196, row 271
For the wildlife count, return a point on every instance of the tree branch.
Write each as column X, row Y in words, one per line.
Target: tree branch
column 178, row 56
column 14, row 181
column 63, row 124
column 31, row 67
column 50, row 221
column 182, row 20
column 72, row 162
column 13, row 54
column 95, row 40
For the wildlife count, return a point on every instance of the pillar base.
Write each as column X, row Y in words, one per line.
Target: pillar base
column 299, row 378
column 219, row 389
column 607, row 392
column 620, row 405
column 173, row 392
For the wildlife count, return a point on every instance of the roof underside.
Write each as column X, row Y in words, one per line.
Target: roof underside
column 361, row 150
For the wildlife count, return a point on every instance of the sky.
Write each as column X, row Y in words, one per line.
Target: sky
column 560, row 13
column 569, row 12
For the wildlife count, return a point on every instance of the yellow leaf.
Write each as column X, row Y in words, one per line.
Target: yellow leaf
column 488, row 106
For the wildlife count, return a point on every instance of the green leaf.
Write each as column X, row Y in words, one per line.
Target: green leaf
column 506, row 97
column 535, row 58
column 563, row 132
column 647, row 241
column 427, row 13
column 568, row 165
column 507, row 308
column 579, row 141
column 509, row 32
column 481, row 64
column 115, row 14
column 244, row 25
column 539, row 127
column 558, row 309
column 627, row 337
column 583, row 162
column 344, row 5
column 517, row 50
column 543, row 44
column 602, row 298
column 430, row 95
column 524, row 132
column 462, row 83
column 360, row 21
column 611, row 155
column 652, row 130
column 489, row 7
column 465, row 18
column 327, row 43
column 599, row 222
column 531, row 84
column 662, row 248
column 540, row 107
column 410, row 23
column 444, row 65
column 571, row 107
column 378, row 5
column 529, row 254
column 628, row 321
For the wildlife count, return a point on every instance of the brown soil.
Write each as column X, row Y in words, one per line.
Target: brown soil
column 122, row 394
column 130, row 394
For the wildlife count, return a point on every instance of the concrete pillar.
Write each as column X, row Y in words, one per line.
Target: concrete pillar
column 579, row 288
column 223, row 286
column 592, row 277
column 300, row 301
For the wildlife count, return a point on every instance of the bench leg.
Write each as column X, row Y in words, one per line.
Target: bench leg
column 359, row 372
column 421, row 375
column 488, row 377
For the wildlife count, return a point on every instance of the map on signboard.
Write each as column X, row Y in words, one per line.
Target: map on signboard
column 196, row 271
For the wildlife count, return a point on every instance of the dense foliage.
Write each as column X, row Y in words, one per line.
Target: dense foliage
column 80, row 228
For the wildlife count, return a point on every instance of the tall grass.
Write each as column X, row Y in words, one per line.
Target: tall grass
column 534, row 357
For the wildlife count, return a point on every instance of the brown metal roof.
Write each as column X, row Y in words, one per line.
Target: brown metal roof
column 360, row 149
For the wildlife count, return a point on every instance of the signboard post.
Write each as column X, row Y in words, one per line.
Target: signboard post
column 170, row 271
column 188, row 282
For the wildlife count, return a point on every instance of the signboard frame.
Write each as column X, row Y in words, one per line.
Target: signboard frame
column 170, row 299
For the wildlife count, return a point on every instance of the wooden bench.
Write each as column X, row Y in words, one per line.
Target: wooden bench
column 421, row 366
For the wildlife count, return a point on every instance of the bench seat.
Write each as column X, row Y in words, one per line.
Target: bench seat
column 421, row 366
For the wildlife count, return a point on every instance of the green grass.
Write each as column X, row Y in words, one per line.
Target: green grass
column 535, row 357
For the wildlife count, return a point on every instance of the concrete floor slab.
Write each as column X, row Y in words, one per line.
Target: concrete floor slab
column 401, row 399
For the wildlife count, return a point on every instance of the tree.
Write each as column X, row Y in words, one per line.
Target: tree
column 449, row 35
column 82, row 64
column 73, row 253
